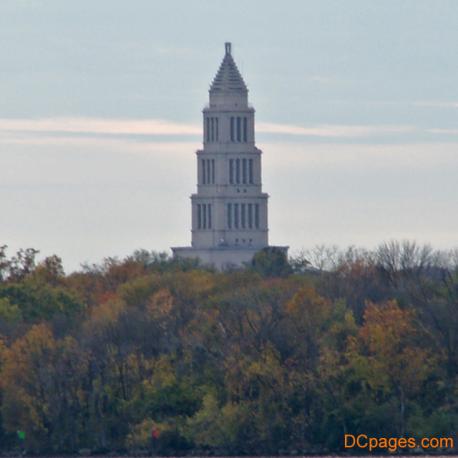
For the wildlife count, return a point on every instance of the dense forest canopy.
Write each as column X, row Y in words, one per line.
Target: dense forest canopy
column 284, row 356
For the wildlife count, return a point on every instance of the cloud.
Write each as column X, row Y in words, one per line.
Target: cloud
column 105, row 126
column 443, row 131
column 160, row 127
column 435, row 104
column 322, row 157
column 321, row 79
column 124, row 145
column 333, row 130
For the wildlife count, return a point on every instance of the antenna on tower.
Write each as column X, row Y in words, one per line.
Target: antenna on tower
column 228, row 46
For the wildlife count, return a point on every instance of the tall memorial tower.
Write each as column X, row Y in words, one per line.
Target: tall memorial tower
column 229, row 210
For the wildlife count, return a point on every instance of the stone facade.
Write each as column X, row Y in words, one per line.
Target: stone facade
column 229, row 210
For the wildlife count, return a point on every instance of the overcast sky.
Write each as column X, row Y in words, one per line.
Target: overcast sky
column 100, row 116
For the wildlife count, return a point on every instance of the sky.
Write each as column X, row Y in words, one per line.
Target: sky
column 100, row 116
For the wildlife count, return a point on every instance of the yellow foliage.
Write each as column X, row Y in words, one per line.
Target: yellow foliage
column 107, row 313
column 163, row 374
column 160, row 304
column 386, row 353
column 308, row 308
column 25, row 372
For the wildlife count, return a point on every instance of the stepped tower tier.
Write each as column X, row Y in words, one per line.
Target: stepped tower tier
column 229, row 209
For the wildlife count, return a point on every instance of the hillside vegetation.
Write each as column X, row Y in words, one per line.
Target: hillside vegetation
column 280, row 357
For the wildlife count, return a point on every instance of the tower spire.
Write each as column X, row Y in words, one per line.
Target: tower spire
column 228, row 77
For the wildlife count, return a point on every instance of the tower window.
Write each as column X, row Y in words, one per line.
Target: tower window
column 229, row 216
column 208, row 171
column 213, row 171
column 237, row 171
column 250, row 216
column 199, row 216
column 236, row 216
column 239, row 129
column 245, row 129
column 244, row 171
column 232, row 129
column 204, row 175
column 242, row 215
column 211, row 129
column 231, row 171
column 250, row 171
column 209, row 216
column 256, row 216
column 204, row 216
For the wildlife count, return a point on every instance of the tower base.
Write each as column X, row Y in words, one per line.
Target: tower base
column 221, row 258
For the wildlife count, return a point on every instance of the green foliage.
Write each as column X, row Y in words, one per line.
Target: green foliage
column 9, row 313
column 218, row 427
column 36, row 301
column 280, row 358
column 271, row 262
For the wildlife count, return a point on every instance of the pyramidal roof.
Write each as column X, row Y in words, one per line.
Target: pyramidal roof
column 228, row 77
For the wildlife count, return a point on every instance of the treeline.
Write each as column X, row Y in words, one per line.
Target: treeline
column 282, row 357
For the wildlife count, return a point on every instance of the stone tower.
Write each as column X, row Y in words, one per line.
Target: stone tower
column 229, row 210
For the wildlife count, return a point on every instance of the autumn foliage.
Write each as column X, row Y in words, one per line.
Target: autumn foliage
column 282, row 357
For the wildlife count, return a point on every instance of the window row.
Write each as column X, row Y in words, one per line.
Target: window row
column 204, row 216
column 208, row 171
column 239, row 128
column 241, row 171
column 242, row 216
column 212, row 129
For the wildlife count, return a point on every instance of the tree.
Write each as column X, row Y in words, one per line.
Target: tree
column 388, row 355
column 263, row 360
column 271, row 262
column 43, row 390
